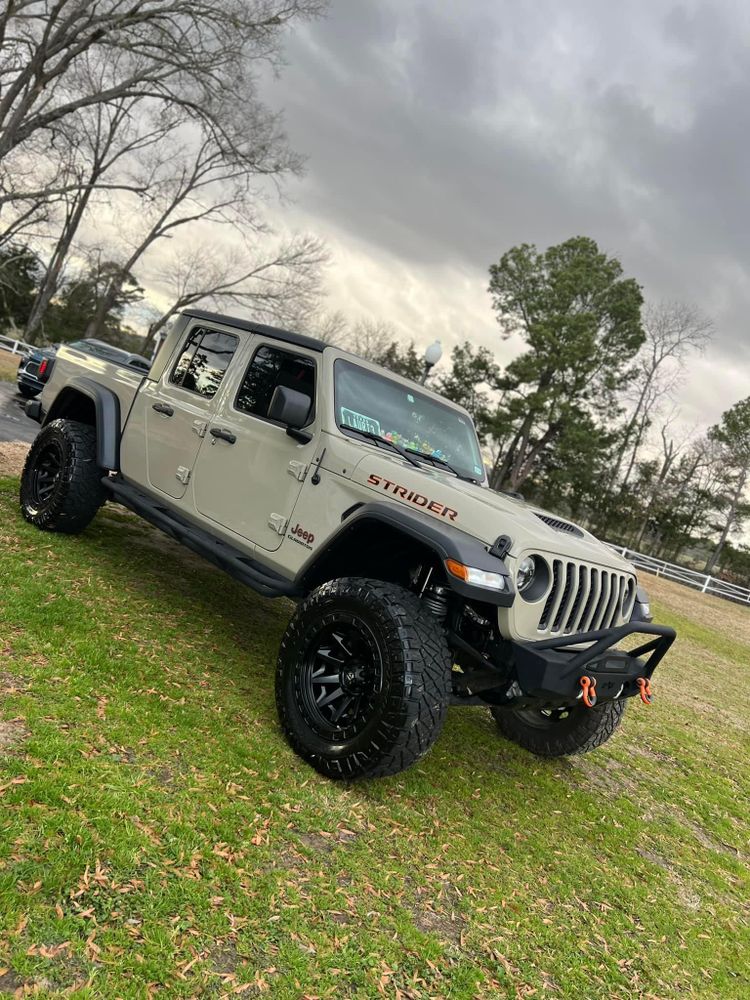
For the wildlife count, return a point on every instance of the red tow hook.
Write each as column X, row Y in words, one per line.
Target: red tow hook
column 644, row 686
column 588, row 686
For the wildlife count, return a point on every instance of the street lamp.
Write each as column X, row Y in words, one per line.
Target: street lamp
column 432, row 355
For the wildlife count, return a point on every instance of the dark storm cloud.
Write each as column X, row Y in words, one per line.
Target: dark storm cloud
column 443, row 133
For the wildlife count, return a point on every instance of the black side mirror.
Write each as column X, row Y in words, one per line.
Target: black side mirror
column 290, row 408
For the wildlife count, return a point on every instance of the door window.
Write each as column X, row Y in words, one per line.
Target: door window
column 269, row 368
column 204, row 359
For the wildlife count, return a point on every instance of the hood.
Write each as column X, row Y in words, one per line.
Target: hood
column 480, row 511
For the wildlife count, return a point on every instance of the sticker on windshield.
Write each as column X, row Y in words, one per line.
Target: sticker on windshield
column 360, row 422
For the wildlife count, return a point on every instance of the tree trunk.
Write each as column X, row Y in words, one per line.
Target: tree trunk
column 507, row 462
column 665, row 467
column 522, row 474
column 736, row 497
column 51, row 281
column 104, row 306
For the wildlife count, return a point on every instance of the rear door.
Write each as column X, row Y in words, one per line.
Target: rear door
column 251, row 484
column 178, row 408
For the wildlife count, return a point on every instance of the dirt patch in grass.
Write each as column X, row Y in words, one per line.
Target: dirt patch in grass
column 446, row 926
column 12, row 457
column 11, row 734
column 315, row 841
column 9, row 983
column 11, row 683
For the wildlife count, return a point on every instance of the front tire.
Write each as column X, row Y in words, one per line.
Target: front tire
column 363, row 679
column 61, row 487
column 560, row 732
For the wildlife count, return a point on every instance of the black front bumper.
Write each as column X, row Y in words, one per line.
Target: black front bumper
column 548, row 674
column 556, row 673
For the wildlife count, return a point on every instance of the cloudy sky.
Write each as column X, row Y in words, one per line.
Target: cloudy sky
column 438, row 134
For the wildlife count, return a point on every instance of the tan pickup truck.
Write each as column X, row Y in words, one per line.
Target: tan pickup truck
column 306, row 472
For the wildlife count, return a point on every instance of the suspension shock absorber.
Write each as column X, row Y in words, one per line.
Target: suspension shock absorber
column 436, row 600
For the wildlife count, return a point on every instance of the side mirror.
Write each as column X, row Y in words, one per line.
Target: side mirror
column 290, row 408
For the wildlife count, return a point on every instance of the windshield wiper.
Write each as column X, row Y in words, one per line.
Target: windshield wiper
column 372, row 436
column 443, row 462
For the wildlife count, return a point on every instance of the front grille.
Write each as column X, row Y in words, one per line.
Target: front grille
column 32, row 368
column 558, row 525
column 583, row 598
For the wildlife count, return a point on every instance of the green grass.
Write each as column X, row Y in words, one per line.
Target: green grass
column 8, row 366
column 158, row 837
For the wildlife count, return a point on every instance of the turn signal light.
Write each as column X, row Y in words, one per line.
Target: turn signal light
column 477, row 577
column 43, row 366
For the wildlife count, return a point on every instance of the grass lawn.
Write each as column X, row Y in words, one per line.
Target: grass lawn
column 8, row 366
column 158, row 837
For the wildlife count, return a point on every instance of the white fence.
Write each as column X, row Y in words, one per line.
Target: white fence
column 706, row 584
column 14, row 346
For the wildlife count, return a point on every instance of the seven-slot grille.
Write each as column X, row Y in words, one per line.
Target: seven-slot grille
column 583, row 598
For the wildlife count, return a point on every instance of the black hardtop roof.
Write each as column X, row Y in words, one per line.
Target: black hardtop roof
column 299, row 339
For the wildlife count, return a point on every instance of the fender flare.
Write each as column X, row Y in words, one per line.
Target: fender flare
column 107, row 408
column 445, row 540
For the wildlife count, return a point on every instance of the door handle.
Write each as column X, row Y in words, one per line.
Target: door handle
column 164, row 408
column 225, row 435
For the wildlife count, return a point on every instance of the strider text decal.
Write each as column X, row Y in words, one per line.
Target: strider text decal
column 418, row 499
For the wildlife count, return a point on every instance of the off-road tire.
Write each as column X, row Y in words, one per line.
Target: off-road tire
column 414, row 667
column 27, row 393
column 582, row 730
column 69, row 499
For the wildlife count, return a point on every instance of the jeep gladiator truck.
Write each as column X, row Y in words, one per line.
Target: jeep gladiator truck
column 306, row 472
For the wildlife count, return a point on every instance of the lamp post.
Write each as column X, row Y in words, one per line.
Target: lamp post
column 432, row 355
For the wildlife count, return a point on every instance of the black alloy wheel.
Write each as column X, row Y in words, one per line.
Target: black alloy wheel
column 341, row 680
column 45, row 476
column 363, row 680
column 61, row 483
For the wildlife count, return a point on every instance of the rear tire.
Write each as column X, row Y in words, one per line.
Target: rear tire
column 61, row 487
column 581, row 730
column 26, row 392
column 363, row 680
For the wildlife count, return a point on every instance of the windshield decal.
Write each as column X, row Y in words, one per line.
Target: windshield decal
column 360, row 422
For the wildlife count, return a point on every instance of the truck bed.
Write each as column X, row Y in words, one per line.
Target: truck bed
column 71, row 362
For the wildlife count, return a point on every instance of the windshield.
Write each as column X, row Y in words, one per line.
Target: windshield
column 366, row 401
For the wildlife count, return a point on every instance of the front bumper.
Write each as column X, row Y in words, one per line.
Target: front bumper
column 557, row 672
column 549, row 673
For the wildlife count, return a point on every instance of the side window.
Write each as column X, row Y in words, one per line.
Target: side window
column 203, row 360
column 269, row 368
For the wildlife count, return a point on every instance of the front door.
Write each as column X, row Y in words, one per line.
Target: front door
column 179, row 407
column 250, row 485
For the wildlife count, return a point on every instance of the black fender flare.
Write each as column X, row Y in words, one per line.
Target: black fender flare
column 107, row 408
column 445, row 540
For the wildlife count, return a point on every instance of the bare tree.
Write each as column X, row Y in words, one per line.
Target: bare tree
column 270, row 284
column 191, row 53
column 104, row 136
column 673, row 330
column 196, row 181
column 732, row 434
column 670, row 451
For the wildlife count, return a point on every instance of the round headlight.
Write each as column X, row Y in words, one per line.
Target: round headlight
column 525, row 573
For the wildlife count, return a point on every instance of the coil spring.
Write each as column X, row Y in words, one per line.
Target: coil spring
column 436, row 601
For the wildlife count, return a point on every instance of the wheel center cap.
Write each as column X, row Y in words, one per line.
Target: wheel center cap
column 352, row 679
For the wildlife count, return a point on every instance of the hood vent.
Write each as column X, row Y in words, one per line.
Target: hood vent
column 558, row 525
